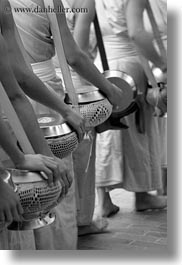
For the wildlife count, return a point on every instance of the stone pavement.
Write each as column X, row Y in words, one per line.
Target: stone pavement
column 130, row 230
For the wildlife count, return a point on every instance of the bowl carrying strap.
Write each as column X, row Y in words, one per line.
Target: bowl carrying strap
column 144, row 61
column 56, row 32
column 135, row 106
column 100, row 43
column 16, row 125
column 156, row 31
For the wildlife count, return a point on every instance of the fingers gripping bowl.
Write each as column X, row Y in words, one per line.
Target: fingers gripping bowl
column 60, row 137
column 94, row 108
column 93, row 105
column 36, row 197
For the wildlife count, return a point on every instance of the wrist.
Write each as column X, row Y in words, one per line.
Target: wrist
column 163, row 67
column 107, row 91
column 67, row 112
column 18, row 160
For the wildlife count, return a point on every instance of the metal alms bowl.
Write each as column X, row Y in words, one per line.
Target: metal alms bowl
column 126, row 83
column 53, row 125
column 36, row 197
column 61, row 139
column 7, row 178
column 87, row 94
column 158, row 74
column 94, row 106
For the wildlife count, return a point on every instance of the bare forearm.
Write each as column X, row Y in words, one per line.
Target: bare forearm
column 8, row 144
column 21, row 104
column 29, row 122
column 35, row 89
column 77, row 59
column 31, row 85
column 84, row 67
column 144, row 42
column 138, row 33
column 24, row 111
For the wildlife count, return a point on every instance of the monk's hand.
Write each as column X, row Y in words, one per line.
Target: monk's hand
column 77, row 122
column 64, row 174
column 40, row 163
column 10, row 207
column 115, row 96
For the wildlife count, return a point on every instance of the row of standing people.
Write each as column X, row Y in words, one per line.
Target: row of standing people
column 124, row 158
column 63, row 233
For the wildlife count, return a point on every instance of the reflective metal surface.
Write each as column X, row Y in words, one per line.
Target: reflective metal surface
column 87, row 94
column 32, row 189
column 7, row 178
column 126, row 83
column 123, row 76
column 158, row 74
column 33, row 224
column 23, row 176
column 53, row 125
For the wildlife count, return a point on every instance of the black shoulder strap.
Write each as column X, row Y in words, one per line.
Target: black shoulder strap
column 156, row 31
column 100, row 44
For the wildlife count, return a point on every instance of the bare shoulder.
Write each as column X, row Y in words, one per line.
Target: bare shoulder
column 6, row 16
column 90, row 4
column 136, row 4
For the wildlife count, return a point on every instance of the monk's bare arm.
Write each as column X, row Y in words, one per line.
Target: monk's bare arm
column 28, row 81
column 20, row 103
column 139, row 35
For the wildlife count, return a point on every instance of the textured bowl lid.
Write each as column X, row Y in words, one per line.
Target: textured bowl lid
column 53, row 125
column 25, row 176
column 87, row 94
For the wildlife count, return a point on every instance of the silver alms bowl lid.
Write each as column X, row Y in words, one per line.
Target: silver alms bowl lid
column 53, row 125
column 87, row 94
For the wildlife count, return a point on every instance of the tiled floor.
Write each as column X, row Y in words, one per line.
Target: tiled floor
column 130, row 229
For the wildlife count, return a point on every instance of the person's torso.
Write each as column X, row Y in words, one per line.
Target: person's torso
column 112, row 20
column 113, row 23
column 34, row 29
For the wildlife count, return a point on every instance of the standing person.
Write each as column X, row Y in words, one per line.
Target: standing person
column 141, row 153
column 84, row 156
column 55, row 169
column 144, row 39
column 35, row 31
column 126, row 159
column 15, row 72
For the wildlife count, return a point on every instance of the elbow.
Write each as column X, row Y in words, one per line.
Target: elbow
column 136, row 34
column 16, row 98
column 23, row 76
column 132, row 35
column 74, row 60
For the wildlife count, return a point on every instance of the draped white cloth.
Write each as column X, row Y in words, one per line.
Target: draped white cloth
column 126, row 158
